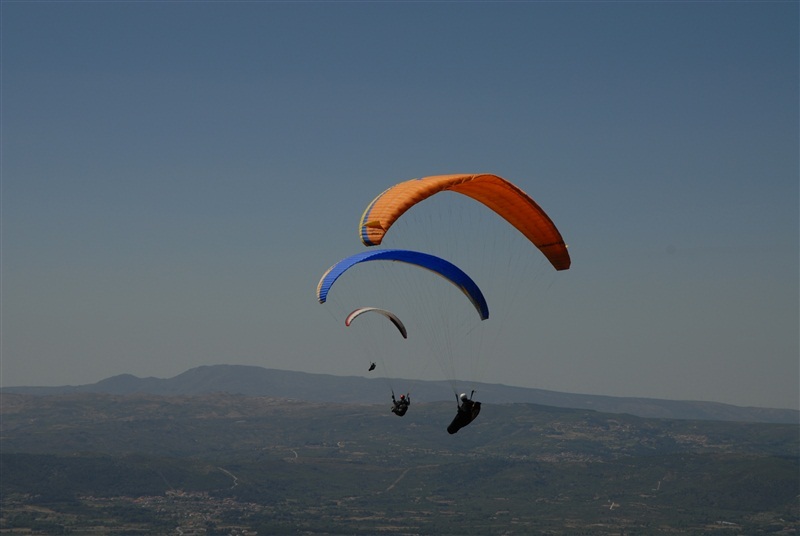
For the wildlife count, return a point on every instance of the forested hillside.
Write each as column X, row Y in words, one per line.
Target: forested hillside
column 218, row 464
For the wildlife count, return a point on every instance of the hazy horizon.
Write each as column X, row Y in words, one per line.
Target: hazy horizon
column 395, row 380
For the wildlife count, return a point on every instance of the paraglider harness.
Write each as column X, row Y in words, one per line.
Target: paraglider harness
column 400, row 407
column 467, row 411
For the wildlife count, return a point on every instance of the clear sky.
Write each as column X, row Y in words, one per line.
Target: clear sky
column 176, row 176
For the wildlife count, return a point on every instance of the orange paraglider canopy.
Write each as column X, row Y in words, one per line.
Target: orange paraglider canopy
column 501, row 196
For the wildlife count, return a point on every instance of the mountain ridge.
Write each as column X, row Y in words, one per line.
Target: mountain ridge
column 259, row 381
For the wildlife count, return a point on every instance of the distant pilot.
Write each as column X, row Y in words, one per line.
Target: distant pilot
column 399, row 407
column 467, row 411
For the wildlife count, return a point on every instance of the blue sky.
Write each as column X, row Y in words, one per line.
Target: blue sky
column 176, row 177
